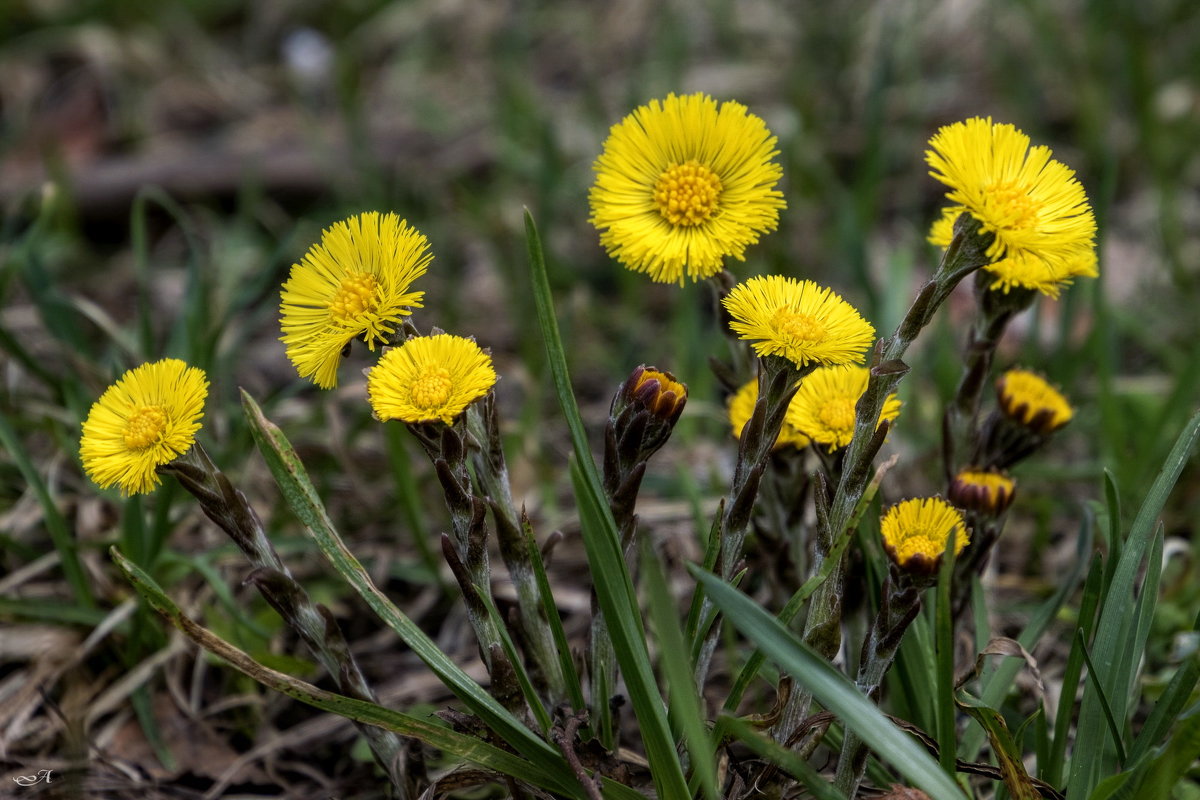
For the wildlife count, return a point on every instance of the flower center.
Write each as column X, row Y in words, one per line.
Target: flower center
column 432, row 388
column 145, row 427
column 803, row 327
column 355, row 297
column 686, row 194
column 1011, row 207
column 837, row 414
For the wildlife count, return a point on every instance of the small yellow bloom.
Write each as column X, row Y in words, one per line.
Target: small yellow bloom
column 429, row 378
column 986, row 491
column 741, row 408
column 798, row 320
column 915, row 533
column 148, row 418
column 824, row 406
column 1028, row 399
column 354, row 283
column 682, row 184
column 1044, row 226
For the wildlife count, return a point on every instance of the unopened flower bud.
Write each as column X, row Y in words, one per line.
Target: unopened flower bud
column 642, row 415
column 983, row 491
column 654, row 390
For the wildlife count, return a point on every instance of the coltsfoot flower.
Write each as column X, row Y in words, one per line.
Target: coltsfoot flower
column 653, row 389
column 1029, row 400
column 682, row 184
column 915, row 533
column 984, row 491
column 824, row 406
column 148, row 418
column 798, row 320
column 741, row 408
column 429, row 378
column 1043, row 225
column 355, row 282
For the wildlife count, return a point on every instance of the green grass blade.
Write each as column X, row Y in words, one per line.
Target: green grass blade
column 1052, row 768
column 614, row 588
column 943, row 638
column 510, row 650
column 629, row 644
column 997, row 682
column 832, row 689
column 570, row 675
column 1093, row 759
column 687, row 708
column 53, row 519
column 1169, row 705
column 300, row 495
column 465, row 747
column 787, row 760
column 1176, row 759
column 1114, row 731
column 1008, row 755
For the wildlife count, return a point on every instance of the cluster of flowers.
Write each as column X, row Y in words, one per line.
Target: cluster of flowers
column 682, row 185
column 356, row 282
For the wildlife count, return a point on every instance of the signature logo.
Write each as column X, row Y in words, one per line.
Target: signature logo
column 30, row 780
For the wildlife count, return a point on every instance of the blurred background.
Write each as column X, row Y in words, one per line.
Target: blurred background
column 164, row 162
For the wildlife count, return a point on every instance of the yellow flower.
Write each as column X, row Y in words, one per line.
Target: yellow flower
column 148, row 418
column 682, row 184
column 355, row 282
column 798, row 320
column 1039, row 213
column 824, row 406
column 1028, row 399
column 429, row 378
column 915, row 533
column 986, row 491
column 741, row 407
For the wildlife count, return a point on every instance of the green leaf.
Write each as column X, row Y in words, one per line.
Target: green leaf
column 1052, row 769
column 1172, row 701
column 1116, row 667
column 687, row 709
column 1008, row 755
column 56, row 524
column 996, row 683
column 614, row 587
column 300, row 495
column 570, row 676
column 832, row 689
column 459, row 745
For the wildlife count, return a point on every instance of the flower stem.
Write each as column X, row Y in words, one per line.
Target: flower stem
column 312, row 622
column 491, row 470
column 967, row 252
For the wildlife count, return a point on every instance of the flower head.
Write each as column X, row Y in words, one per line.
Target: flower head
column 824, row 406
column 915, row 533
column 682, row 184
column 741, row 408
column 798, row 320
column 984, row 491
column 1040, row 217
column 354, row 282
column 148, row 418
column 429, row 378
column 1030, row 401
